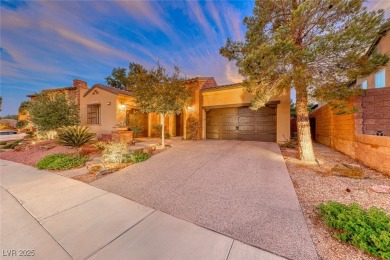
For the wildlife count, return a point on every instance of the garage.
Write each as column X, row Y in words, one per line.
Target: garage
column 241, row 123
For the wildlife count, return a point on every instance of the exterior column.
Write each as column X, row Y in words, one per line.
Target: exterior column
column 150, row 125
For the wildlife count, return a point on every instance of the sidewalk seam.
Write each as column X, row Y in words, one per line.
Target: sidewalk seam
column 95, row 252
column 105, row 193
column 40, row 224
column 230, row 249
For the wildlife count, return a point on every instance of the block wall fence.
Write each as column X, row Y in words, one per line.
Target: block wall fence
column 355, row 134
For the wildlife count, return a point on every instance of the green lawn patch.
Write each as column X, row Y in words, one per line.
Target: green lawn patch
column 61, row 161
column 367, row 230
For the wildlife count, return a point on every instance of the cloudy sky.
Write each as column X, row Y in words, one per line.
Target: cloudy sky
column 47, row 44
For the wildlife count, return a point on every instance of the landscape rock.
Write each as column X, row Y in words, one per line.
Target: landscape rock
column 348, row 170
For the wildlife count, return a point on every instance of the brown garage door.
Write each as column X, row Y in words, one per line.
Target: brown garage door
column 241, row 123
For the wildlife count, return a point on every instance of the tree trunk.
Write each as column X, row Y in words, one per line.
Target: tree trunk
column 162, row 120
column 305, row 146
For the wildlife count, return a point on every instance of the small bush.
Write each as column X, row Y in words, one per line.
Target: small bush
column 114, row 152
column 156, row 130
column 293, row 143
column 75, row 135
column 367, row 230
column 3, row 143
column 5, row 125
column 135, row 157
column 12, row 145
column 100, row 145
column 61, row 161
column 46, row 135
column 22, row 124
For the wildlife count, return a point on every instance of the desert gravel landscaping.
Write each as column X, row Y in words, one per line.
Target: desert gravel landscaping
column 315, row 184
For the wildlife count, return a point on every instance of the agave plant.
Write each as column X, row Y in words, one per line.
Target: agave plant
column 75, row 135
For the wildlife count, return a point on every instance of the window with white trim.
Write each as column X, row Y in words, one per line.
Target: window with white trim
column 380, row 79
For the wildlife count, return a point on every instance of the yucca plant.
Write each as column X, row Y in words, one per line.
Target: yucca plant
column 74, row 135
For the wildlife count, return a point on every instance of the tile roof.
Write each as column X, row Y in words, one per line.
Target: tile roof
column 113, row 90
column 222, row 86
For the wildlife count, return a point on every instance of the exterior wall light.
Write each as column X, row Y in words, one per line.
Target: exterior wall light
column 108, row 103
column 123, row 106
column 189, row 108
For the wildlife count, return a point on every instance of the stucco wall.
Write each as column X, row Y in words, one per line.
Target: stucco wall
column 237, row 96
column 108, row 108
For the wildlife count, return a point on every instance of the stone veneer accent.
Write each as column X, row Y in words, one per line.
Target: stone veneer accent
column 375, row 107
column 122, row 136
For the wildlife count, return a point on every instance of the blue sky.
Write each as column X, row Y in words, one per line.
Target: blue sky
column 47, row 44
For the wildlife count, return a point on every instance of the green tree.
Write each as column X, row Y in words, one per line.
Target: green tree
column 10, row 117
column 50, row 112
column 157, row 91
column 118, row 79
column 317, row 46
column 24, row 107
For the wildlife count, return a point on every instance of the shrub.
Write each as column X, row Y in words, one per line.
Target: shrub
column 75, row 135
column 292, row 143
column 12, row 145
column 5, row 125
column 22, row 124
column 135, row 157
column 100, row 145
column 156, row 130
column 367, row 230
column 46, row 135
column 52, row 111
column 114, row 152
column 61, row 161
column 3, row 143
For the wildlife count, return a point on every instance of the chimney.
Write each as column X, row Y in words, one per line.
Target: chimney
column 80, row 84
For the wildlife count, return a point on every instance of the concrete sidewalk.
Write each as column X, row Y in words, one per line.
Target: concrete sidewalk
column 54, row 217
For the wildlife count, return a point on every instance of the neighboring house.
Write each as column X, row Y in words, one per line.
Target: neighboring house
column 222, row 112
column 364, row 135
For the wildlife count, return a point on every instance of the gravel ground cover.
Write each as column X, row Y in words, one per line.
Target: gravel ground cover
column 34, row 154
column 315, row 184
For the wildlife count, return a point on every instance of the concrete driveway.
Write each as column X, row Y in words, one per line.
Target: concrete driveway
column 240, row 189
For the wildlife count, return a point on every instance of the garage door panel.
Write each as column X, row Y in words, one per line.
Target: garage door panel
column 266, row 129
column 246, row 120
column 247, row 137
column 246, row 111
column 233, row 111
column 214, row 128
column 251, row 128
column 227, row 128
column 229, row 135
column 233, row 120
column 268, row 118
column 241, row 124
column 213, row 136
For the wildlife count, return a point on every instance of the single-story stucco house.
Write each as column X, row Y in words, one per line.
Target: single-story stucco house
column 222, row 112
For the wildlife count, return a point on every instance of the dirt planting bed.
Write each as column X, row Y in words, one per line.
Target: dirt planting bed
column 35, row 152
